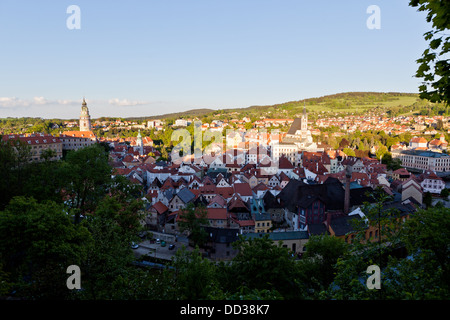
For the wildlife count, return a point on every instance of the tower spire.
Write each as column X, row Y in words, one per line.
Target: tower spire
column 85, row 118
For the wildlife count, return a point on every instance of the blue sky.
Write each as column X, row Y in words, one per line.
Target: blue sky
column 143, row 58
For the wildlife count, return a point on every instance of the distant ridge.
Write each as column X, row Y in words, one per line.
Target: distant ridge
column 344, row 101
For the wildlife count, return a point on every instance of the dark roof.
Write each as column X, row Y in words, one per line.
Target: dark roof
column 360, row 195
column 186, row 195
column 200, row 200
column 277, row 236
column 402, row 209
column 343, row 225
column 156, row 183
column 331, row 193
column 296, row 125
column 221, row 235
column 214, row 172
column 317, row 229
column 270, row 201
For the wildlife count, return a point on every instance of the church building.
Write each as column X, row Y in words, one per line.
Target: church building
column 297, row 139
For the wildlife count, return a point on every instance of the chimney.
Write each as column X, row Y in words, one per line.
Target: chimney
column 328, row 220
column 348, row 175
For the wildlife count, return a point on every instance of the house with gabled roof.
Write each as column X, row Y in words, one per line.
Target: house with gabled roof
column 222, row 182
column 284, row 180
column 411, row 188
column 181, row 199
column 219, row 243
column 238, row 206
column 156, row 217
column 217, row 202
column 430, row 182
column 284, row 165
column 165, row 196
column 217, row 217
column 401, row 174
column 274, row 181
column 418, row 142
column 250, row 178
column 155, row 184
column 260, row 190
column 438, row 144
column 245, row 226
column 244, row 191
column 273, row 207
column 195, row 183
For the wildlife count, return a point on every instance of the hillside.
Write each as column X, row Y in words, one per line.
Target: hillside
column 348, row 102
column 394, row 103
column 176, row 115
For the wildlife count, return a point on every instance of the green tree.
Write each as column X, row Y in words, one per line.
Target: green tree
column 262, row 265
column 445, row 193
column 426, row 274
column 88, row 176
column 113, row 226
column 14, row 157
column 192, row 219
column 349, row 152
column 192, row 276
column 427, row 199
column 38, row 241
column 434, row 65
column 318, row 264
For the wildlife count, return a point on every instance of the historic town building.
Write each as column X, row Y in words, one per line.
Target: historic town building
column 74, row 140
column 298, row 138
column 85, row 118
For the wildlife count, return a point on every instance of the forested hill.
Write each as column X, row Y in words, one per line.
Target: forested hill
column 390, row 103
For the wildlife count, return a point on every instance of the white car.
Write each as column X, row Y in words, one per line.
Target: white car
column 134, row 245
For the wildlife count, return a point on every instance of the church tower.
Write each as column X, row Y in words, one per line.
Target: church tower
column 304, row 122
column 140, row 143
column 85, row 118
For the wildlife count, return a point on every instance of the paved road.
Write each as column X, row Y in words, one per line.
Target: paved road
column 155, row 250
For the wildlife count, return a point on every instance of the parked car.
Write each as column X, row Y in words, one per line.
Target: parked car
column 134, row 245
column 158, row 241
column 163, row 243
column 171, row 246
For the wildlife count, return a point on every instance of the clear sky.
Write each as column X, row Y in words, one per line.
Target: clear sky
column 143, row 58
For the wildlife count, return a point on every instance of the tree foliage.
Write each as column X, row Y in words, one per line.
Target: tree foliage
column 38, row 241
column 434, row 65
column 192, row 219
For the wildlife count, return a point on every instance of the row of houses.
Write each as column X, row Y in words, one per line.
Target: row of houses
column 250, row 199
column 40, row 142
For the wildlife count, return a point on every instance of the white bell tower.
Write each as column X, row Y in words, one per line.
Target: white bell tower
column 85, row 118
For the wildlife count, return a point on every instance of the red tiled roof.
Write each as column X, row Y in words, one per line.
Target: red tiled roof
column 225, row 192
column 79, row 134
column 217, row 213
column 33, row 139
column 243, row 189
column 160, row 207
